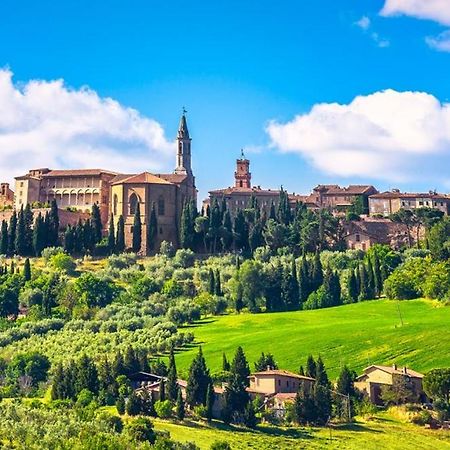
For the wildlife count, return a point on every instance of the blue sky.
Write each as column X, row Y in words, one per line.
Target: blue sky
column 236, row 66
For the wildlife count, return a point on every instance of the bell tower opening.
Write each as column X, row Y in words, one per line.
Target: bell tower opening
column 242, row 175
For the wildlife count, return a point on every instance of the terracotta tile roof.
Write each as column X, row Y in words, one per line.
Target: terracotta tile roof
column 380, row 229
column 77, row 172
column 254, row 190
column 282, row 373
column 390, row 194
column 144, row 177
column 121, row 177
column 285, row 395
column 352, row 189
column 172, row 177
column 396, row 371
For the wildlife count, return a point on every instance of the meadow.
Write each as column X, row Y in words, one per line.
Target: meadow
column 383, row 430
column 413, row 333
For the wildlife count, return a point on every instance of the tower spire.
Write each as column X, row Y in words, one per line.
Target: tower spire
column 183, row 163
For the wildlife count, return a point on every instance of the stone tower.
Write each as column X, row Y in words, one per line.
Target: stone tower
column 242, row 175
column 183, row 166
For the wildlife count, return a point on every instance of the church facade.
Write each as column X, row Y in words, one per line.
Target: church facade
column 119, row 194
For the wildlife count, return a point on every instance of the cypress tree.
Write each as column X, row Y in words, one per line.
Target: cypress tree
column 370, row 278
column 27, row 270
column 88, row 237
column 272, row 214
column 180, row 409
column 118, row 366
column 86, row 375
column 20, row 243
column 162, row 390
column 53, row 224
column 218, row 287
column 137, row 230
column 12, row 233
column 133, row 406
column 303, row 280
column 209, row 402
column 130, row 361
column 240, row 231
column 69, row 239
column 321, row 374
column 58, row 391
column 378, row 279
column 186, row 227
column 198, row 381
column 4, row 238
column 120, row 240
column 152, row 231
column 97, row 225
column 352, row 287
column 227, row 238
column 311, row 367
column 317, row 272
column 120, row 405
column 239, row 303
column 225, row 364
column 211, row 282
column 111, row 236
column 364, row 291
column 236, row 395
column 239, row 367
column 79, row 237
column 28, row 218
column 172, row 379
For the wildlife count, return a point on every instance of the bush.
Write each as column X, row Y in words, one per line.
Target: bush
column 422, row 418
column 141, row 430
column 167, row 249
column 48, row 252
column 63, row 263
column 163, row 409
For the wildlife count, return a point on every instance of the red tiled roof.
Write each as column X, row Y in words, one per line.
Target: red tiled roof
column 172, row 177
column 334, row 189
column 252, row 191
column 283, row 373
column 76, row 172
column 380, row 229
column 144, row 177
column 395, row 371
column 390, row 194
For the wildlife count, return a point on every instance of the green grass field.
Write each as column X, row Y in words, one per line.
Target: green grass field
column 357, row 335
column 382, row 432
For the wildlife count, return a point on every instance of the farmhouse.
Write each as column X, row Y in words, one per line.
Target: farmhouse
column 376, row 377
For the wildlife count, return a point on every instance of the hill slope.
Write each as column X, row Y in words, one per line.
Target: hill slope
column 356, row 335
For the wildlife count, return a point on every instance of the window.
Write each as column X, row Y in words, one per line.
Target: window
column 161, row 206
column 240, row 183
column 421, row 203
column 357, row 238
column 21, row 184
column 133, row 203
column 279, row 382
column 363, row 245
column 115, row 202
column 160, row 230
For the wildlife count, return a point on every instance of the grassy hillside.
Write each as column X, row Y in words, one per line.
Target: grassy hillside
column 356, row 335
column 382, row 432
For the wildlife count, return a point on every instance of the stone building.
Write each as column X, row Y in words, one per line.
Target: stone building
column 6, row 196
column 386, row 203
column 239, row 196
column 119, row 194
column 374, row 378
column 75, row 189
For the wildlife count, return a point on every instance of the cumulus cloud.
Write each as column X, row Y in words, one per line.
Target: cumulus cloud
column 47, row 124
column 437, row 10
column 389, row 135
column 440, row 42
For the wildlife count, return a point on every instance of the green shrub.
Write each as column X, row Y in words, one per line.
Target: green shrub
column 163, row 409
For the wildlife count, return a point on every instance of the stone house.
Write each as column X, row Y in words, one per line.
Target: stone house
column 386, row 203
column 375, row 377
column 363, row 234
column 6, row 196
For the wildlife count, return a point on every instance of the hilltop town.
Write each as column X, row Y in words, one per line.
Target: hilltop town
column 366, row 214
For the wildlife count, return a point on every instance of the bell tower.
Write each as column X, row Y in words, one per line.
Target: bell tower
column 242, row 176
column 183, row 164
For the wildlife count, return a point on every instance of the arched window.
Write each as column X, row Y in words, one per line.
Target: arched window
column 161, row 206
column 133, row 203
column 115, row 201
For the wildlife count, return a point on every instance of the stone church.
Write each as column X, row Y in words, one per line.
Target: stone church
column 119, row 194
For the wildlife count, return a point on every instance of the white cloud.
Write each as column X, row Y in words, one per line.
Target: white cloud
column 363, row 23
column 47, row 124
column 437, row 10
column 390, row 135
column 440, row 42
